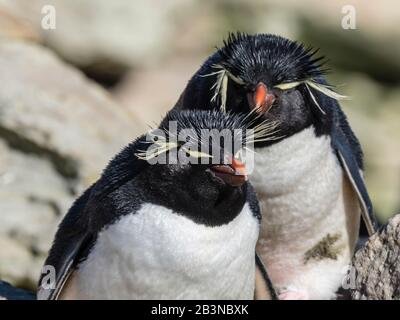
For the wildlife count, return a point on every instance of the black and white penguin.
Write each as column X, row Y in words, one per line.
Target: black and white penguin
column 156, row 229
column 309, row 180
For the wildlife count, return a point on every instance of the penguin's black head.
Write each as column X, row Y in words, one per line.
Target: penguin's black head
column 197, row 163
column 267, row 74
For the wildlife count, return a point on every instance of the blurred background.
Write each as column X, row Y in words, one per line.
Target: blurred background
column 72, row 96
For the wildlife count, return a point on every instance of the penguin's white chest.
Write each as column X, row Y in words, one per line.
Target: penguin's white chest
column 310, row 214
column 158, row 254
column 298, row 182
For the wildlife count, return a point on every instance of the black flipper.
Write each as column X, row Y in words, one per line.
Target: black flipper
column 71, row 239
column 267, row 286
column 352, row 167
column 86, row 217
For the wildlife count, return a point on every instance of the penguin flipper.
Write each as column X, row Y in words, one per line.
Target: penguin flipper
column 264, row 289
column 354, row 174
column 66, row 250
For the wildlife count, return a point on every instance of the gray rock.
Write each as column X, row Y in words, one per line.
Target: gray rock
column 376, row 265
column 34, row 197
column 15, row 262
column 149, row 93
column 120, row 33
column 49, row 109
column 13, row 26
column 58, row 130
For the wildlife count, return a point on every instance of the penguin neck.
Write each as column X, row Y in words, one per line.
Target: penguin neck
column 298, row 182
column 220, row 209
column 280, row 166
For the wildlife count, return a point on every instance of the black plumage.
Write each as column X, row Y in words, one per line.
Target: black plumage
column 284, row 61
column 128, row 182
column 249, row 60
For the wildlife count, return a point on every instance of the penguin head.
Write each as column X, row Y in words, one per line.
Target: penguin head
column 273, row 76
column 196, row 163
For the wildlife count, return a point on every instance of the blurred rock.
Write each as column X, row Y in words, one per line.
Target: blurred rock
column 15, row 261
column 57, row 132
column 34, row 197
column 13, row 26
column 149, row 93
column 373, row 47
column 105, row 37
column 51, row 110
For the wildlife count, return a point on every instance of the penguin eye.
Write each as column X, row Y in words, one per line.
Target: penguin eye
column 287, row 85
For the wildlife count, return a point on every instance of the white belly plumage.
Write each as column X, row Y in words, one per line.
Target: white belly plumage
column 158, row 254
column 310, row 214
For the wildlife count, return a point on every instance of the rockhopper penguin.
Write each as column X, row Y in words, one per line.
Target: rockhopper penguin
column 153, row 230
column 309, row 179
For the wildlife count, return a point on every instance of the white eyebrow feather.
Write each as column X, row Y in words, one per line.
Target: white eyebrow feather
column 265, row 131
column 220, row 86
column 325, row 90
column 148, row 155
column 315, row 100
column 161, row 146
column 288, row 85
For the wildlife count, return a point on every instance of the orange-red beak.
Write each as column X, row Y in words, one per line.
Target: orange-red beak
column 233, row 174
column 262, row 99
column 239, row 167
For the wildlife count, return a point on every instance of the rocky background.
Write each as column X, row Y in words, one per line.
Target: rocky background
column 71, row 97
